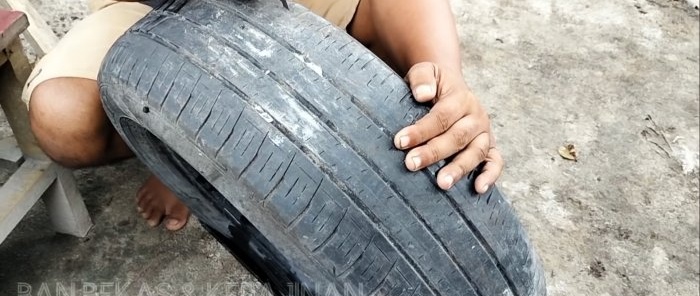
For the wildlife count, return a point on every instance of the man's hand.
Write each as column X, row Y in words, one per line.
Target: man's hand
column 407, row 34
column 457, row 125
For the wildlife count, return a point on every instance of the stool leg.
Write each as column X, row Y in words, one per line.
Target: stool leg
column 63, row 200
column 17, row 113
column 18, row 60
column 65, row 205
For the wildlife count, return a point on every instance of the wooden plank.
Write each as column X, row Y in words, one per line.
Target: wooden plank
column 19, row 61
column 22, row 191
column 39, row 34
column 17, row 114
column 3, row 57
column 65, row 205
column 12, row 23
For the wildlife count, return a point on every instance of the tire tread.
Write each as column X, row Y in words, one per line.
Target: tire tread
column 309, row 158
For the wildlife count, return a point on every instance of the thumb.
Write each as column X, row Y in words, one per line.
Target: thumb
column 423, row 80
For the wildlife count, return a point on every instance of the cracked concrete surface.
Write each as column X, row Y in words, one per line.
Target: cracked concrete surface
column 618, row 79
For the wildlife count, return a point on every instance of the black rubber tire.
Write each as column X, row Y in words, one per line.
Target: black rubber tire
column 275, row 128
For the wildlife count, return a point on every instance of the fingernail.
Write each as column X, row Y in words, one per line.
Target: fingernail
column 485, row 188
column 403, row 141
column 416, row 162
column 424, row 91
column 450, row 181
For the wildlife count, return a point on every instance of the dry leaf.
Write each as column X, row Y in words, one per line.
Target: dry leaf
column 568, row 152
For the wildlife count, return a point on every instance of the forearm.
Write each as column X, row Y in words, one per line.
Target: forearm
column 408, row 32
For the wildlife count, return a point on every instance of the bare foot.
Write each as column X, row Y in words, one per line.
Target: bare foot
column 156, row 204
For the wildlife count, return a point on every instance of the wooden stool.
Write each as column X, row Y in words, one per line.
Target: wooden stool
column 37, row 176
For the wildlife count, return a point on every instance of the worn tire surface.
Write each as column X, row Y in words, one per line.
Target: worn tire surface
column 276, row 129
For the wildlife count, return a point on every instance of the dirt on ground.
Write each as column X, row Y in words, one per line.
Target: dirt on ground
column 618, row 80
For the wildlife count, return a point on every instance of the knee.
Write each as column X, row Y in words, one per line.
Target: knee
column 67, row 124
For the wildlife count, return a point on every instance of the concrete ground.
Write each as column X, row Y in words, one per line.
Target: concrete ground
column 618, row 79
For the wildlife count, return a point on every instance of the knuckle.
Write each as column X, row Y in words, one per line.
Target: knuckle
column 442, row 118
column 428, row 67
column 462, row 168
column 482, row 152
column 425, row 66
column 433, row 154
column 460, row 137
column 471, row 128
column 419, row 69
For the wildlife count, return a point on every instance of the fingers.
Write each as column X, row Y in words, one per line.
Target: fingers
column 491, row 172
column 477, row 151
column 451, row 105
column 463, row 132
column 456, row 126
column 440, row 118
column 423, row 79
column 464, row 162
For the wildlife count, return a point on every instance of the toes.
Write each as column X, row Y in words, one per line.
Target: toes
column 177, row 216
column 157, row 203
column 142, row 200
column 152, row 216
column 146, row 215
column 155, row 219
column 156, row 213
column 175, row 224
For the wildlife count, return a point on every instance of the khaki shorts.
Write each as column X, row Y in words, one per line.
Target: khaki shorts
column 80, row 53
